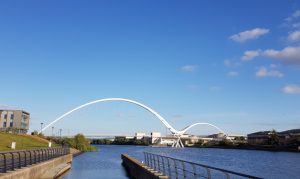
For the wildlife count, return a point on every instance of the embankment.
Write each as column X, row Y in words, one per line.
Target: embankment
column 137, row 170
column 37, row 170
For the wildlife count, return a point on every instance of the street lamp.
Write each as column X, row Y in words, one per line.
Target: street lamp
column 60, row 132
column 41, row 127
column 52, row 130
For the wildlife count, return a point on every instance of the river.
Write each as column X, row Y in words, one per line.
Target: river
column 106, row 162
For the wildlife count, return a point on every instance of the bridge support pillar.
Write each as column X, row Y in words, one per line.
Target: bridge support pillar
column 178, row 143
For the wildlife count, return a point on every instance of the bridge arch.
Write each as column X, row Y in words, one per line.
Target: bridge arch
column 173, row 131
column 183, row 131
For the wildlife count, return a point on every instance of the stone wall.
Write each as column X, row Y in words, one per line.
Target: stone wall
column 137, row 170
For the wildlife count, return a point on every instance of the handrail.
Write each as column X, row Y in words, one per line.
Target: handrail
column 12, row 160
column 181, row 167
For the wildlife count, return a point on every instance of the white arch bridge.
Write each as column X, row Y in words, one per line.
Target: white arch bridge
column 176, row 133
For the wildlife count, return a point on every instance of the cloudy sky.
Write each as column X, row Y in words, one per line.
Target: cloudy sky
column 234, row 64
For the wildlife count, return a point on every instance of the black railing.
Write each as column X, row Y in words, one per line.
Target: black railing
column 176, row 168
column 12, row 160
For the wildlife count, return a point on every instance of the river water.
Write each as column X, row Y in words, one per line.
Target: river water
column 106, row 162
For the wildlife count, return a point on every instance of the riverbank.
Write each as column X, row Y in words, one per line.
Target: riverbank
column 75, row 152
column 23, row 141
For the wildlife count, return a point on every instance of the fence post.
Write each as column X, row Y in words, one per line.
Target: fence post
column 154, row 161
column 175, row 166
column 158, row 164
column 169, row 167
column 40, row 157
column 208, row 173
column 4, row 163
column 25, row 164
column 183, row 170
column 30, row 158
column 145, row 158
column 227, row 175
column 163, row 165
column 150, row 160
column 19, row 159
column 43, row 156
column 194, row 171
column 13, row 161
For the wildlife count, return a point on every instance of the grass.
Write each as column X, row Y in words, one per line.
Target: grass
column 22, row 141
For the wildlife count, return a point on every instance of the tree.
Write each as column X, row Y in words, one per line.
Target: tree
column 81, row 142
column 273, row 138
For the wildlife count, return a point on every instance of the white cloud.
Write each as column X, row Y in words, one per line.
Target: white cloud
column 189, row 68
column 249, row 34
column 296, row 25
column 294, row 36
column 233, row 74
column 265, row 72
column 291, row 89
column 231, row 63
column 295, row 15
column 288, row 55
column 250, row 54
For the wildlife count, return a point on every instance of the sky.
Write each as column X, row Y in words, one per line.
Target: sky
column 235, row 64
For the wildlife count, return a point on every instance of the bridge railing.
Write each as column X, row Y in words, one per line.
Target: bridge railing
column 176, row 168
column 12, row 160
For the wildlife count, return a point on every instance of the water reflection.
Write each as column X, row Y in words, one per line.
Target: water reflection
column 106, row 162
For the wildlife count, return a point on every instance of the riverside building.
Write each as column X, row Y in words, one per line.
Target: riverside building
column 14, row 120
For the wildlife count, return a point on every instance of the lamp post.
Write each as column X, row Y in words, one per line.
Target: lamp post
column 41, row 127
column 60, row 132
column 52, row 131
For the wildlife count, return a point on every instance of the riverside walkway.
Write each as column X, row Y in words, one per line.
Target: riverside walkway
column 12, row 160
column 46, row 163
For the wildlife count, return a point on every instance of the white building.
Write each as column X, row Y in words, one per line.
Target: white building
column 155, row 137
column 14, row 119
column 139, row 135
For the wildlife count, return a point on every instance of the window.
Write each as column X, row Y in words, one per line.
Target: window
column 5, row 116
column 12, row 116
column 11, row 124
column 4, row 124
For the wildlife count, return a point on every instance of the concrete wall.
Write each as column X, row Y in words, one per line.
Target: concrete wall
column 37, row 170
column 137, row 170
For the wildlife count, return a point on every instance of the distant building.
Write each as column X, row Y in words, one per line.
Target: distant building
column 124, row 137
column 139, row 135
column 258, row 138
column 262, row 137
column 219, row 136
column 155, row 137
column 14, row 120
column 286, row 136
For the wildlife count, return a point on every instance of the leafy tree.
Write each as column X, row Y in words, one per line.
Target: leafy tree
column 273, row 138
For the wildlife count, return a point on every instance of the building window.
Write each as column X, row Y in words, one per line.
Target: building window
column 11, row 124
column 12, row 116
column 5, row 116
column 4, row 124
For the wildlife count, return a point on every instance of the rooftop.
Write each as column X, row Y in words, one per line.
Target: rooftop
column 13, row 108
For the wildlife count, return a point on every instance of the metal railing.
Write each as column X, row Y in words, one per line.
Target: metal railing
column 176, row 168
column 12, row 160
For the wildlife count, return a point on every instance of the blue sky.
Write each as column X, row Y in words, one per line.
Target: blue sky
column 234, row 64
